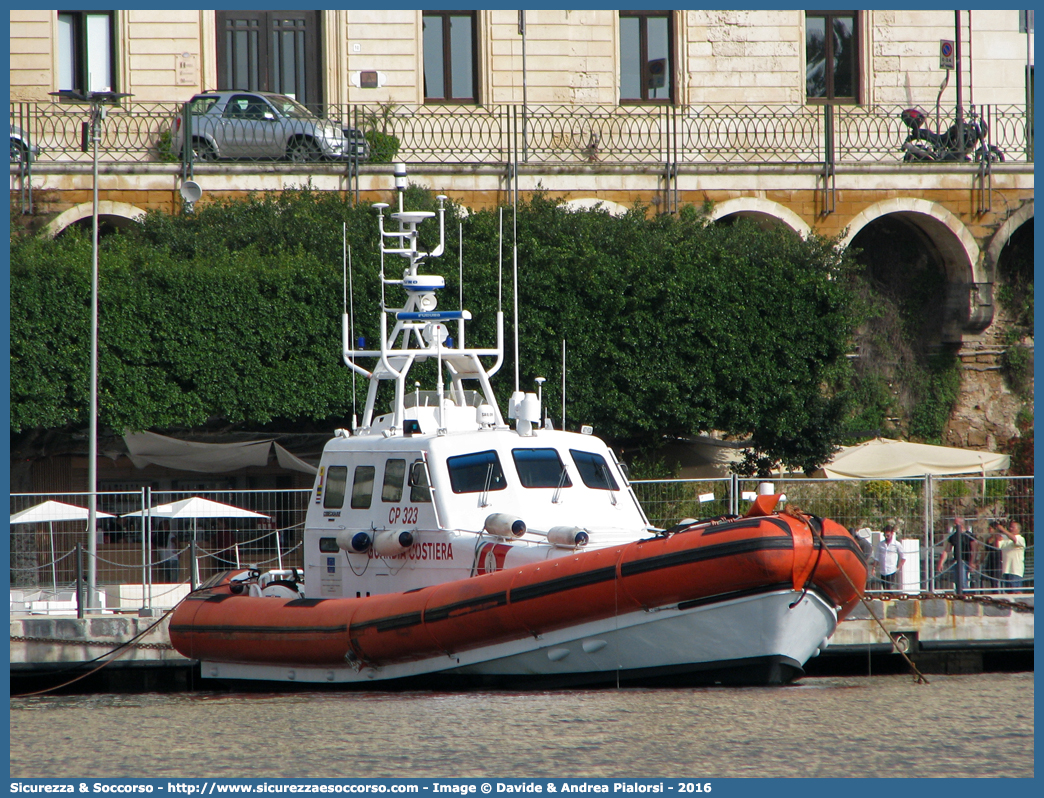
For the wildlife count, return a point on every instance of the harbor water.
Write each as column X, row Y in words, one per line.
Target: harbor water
column 977, row 725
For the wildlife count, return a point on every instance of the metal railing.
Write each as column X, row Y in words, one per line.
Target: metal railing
column 136, row 571
column 553, row 134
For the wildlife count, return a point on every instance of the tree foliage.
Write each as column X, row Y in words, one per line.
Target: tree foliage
column 672, row 325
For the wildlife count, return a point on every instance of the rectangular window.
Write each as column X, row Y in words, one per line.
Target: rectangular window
column 85, row 49
column 420, row 489
column 336, row 479
column 476, row 473
column 362, row 487
column 450, row 57
column 594, row 471
column 832, row 57
column 646, row 60
column 540, row 468
column 394, row 473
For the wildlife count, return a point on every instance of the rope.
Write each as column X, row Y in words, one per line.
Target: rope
column 119, row 651
column 796, row 513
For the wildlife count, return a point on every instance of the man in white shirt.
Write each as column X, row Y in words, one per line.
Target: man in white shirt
column 889, row 559
column 1013, row 556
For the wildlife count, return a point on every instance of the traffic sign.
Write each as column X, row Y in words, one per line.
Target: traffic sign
column 947, row 57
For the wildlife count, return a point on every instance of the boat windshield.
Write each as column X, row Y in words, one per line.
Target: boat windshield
column 476, row 473
column 594, row 471
column 540, row 468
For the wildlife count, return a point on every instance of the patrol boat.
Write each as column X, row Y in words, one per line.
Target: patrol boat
column 444, row 545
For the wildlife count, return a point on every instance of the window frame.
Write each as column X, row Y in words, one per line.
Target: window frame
column 80, row 57
column 396, row 487
column 498, row 479
column 600, row 483
column 359, row 493
column 643, row 52
column 447, row 60
column 857, row 58
column 334, row 477
column 525, row 474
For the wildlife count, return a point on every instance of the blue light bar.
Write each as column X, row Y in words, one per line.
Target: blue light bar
column 432, row 315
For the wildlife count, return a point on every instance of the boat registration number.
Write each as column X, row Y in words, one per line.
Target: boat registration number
column 403, row 515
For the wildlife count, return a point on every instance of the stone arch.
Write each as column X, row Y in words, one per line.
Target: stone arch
column 954, row 241
column 1004, row 233
column 968, row 302
column 119, row 214
column 589, row 203
column 759, row 209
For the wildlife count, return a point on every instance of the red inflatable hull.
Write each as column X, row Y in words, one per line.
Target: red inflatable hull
column 700, row 565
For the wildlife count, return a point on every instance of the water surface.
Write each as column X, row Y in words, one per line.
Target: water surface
column 971, row 725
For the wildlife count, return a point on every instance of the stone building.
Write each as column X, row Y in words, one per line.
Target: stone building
column 789, row 117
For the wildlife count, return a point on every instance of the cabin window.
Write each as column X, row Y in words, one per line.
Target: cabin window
column 328, row 545
column 476, row 473
column 420, row 490
column 362, row 487
column 394, row 472
column 336, row 479
column 594, row 471
column 540, row 468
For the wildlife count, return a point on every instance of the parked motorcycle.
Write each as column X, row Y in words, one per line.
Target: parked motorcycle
column 924, row 144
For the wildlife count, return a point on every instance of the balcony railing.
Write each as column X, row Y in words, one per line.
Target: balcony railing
column 549, row 135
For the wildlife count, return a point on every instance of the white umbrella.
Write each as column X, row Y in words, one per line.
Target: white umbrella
column 48, row 513
column 197, row 507
column 51, row 511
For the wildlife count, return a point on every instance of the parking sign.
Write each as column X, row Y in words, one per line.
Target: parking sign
column 947, row 59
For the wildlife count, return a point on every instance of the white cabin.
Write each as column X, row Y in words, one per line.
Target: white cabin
column 441, row 488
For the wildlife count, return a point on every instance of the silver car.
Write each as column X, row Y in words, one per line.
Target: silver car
column 260, row 125
column 20, row 147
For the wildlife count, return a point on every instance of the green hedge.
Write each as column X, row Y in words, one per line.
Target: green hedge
column 233, row 313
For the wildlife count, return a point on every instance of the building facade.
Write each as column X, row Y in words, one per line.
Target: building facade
column 571, row 57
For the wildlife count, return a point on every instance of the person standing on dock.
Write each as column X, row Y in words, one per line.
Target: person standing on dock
column 962, row 546
column 890, row 558
column 1013, row 556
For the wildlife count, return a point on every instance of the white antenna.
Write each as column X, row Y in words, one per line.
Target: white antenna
column 563, row 384
column 351, row 299
column 500, row 263
column 514, row 266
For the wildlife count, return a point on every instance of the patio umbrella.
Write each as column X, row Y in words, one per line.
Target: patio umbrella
column 883, row 458
column 197, row 507
column 48, row 513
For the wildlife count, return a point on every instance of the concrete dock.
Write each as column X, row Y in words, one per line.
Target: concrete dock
column 940, row 634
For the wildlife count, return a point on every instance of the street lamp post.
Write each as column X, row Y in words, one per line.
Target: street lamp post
column 97, row 101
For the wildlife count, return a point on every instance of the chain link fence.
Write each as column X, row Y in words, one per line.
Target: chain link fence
column 924, row 511
column 150, row 560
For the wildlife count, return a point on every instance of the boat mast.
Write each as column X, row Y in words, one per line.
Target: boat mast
column 418, row 330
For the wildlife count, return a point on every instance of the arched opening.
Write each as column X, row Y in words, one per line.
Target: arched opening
column 107, row 225
column 112, row 216
column 765, row 213
column 1014, row 294
column 914, row 287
